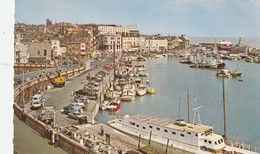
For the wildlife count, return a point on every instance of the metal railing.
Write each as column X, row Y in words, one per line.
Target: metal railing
column 242, row 145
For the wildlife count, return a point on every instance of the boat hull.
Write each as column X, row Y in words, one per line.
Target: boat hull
column 114, row 109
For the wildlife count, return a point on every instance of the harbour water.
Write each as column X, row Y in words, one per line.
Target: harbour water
column 171, row 79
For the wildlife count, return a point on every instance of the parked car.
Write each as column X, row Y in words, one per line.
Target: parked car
column 82, row 97
column 82, row 92
column 96, row 83
column 78, row 102
column 76, row 115
column 71, row 109
column 37, row 101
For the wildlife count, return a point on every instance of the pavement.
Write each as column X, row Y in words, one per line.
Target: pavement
column 118, row 140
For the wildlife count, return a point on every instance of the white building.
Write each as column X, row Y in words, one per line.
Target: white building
column 112, row 29
column 109, row 41
column 133, row 43
column 21, row 54
column 57, row 49
column 156, row 45
column 132, row 30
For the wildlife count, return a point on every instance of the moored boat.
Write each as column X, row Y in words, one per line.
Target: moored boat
column 114, row 105
column 150, row 90
column 141, row 90
column 195, row 138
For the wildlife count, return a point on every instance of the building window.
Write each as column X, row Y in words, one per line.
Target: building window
column 218, row 141
column 39, row 53
column 196, row 134
column 143, row 127
column 174, row 133
column 215, row 143
column 165, row 131
column 222, row 140
column 205, row 141
column 45, row 52
column 209, row 142
column 151, row 127
column 182, row 135
column 158, row 128
column 137, row 125
column 188, row 133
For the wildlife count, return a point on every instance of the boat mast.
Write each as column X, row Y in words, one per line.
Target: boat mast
column 114, row 79
column 179, row 108
column 114, row 66
column 188, row 106
column 224, row 107
column 23, row 91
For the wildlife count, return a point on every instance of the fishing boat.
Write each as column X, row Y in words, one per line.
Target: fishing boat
column 236, row 73
column 114, row 105
column 113, row 93
column 213, row 64
column 122, row 73
column 220, row 63
column 129, row 93
column 224, row 73
column 141, row 90
column 249, row 59
column 131, row 74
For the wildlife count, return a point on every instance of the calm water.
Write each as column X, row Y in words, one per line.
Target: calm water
column 172, row 79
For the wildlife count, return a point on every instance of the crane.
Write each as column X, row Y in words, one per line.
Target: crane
column 59, row 80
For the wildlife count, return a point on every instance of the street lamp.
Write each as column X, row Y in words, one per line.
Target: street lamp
column 53, row 134
column 54, row 113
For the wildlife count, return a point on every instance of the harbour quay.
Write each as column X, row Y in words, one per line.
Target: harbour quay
column 68, row 133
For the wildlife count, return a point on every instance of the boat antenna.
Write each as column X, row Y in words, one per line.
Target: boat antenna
column 224, row 107
column 196, row 112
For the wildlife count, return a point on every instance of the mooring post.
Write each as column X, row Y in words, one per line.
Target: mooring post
column 150, row 138
column 167, row 145
column 139, row 141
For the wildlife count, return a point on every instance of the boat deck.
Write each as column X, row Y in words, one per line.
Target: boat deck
column 171, row 124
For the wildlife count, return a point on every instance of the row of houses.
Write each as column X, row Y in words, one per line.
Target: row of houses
column 65, row 41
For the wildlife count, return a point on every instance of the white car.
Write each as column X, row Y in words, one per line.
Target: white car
column 37, row 101
column 78, row 102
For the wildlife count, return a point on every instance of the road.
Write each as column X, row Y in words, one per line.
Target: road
column 53, row 70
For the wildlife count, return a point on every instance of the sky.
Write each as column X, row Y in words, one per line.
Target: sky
column 195, row 18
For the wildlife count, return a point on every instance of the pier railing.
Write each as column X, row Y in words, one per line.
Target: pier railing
column 242, row 145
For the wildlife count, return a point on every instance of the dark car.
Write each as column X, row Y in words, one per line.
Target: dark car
column 82, row 92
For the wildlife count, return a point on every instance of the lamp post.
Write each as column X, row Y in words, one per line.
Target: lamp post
column 23, row 92
column 53, row 134
column 54, row 119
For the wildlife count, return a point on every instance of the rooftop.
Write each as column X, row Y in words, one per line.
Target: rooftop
column 171, row 124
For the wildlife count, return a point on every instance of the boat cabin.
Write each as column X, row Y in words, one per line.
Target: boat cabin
column 178, row 132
